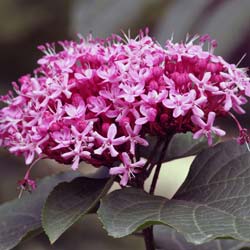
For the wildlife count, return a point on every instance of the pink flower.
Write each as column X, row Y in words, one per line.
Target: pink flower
column 206, row 128
column 86, row 74
column 109, row 142
column 196, row 103
column 149, row 115
column 134, row 137
column 131, row 91
column 108, row 74
column 63, row 138
column 153, row 97
column 96, row 98
column 179, row 103
column 97, row 104
column 77, row 154
column 203, row 84
column 127, row 168
column 75, row 111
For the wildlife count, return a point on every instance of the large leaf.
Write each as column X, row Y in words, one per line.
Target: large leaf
column 21, row 216
column 167, row 238
column 181, row 145
column 213, row 202
column 68, row 202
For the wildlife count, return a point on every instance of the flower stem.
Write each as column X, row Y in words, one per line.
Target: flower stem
column 148, row 238
column 157, row 170
column 158, row 166
column 148, row 232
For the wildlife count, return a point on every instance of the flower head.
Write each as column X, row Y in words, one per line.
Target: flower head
column 96, row 100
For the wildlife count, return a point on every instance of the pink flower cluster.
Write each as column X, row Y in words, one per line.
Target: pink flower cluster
column 96, row 100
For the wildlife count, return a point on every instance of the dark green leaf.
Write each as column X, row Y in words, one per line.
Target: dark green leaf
column 218, row 184
column 181, row 145
column 68, row 202
column 167, row 238
column 21, row 216
column 213, row 202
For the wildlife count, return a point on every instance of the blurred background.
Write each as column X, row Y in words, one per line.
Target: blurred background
column 25, row 24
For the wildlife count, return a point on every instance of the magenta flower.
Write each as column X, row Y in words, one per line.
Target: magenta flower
column 206, row 129
column 109, row 142
column 63, row 138
column 75, row 111
column 131, row 91
column 179, row 103
column 153, row 97
column 97, row 98
column 77, row 153
column 204, row 83
column 134, row 137
column 127, row 168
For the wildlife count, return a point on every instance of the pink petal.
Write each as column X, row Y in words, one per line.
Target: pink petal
column 177, row 112
column 198, row 121
column 206, row 77
column 141, row 121
column 194, row 79
column 99, row 150
column 112, row 131
column 198, row 134
column 68, row 155
column 209, row 139
column 113, row 151
column 124, row 179
column 75, row 162
column 169, row 104
column 218, row 131
column 119, row 141
column 125, row 158
column 197, row 111
column 29, row 158
column 210, row 119
column 117, row 170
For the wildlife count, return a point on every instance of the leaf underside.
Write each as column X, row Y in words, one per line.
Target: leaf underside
column 167, row 238
column 68, row 202
column 21, row 216
column 213, row 202
column 181, row 145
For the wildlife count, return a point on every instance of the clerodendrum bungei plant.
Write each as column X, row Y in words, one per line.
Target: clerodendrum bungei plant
column 130, row 105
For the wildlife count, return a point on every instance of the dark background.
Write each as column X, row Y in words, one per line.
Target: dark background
column 25, row 24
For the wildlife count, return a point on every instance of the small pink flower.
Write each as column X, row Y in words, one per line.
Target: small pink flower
column 131, row 91
column 86, row 74
column 206, row 128
column 108, row 74
column 75, row 111
column 97, row 105
column 63, row 138
column 149, row 115
column 153, row 97
column 203, row 84
column 110, row 141
column 27, row 184
column 127, row 168
column 134, row 137
column 179, row 103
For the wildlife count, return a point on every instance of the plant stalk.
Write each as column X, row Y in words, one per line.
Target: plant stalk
column 148, row 232
column 148, row 238
column 158, row 168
